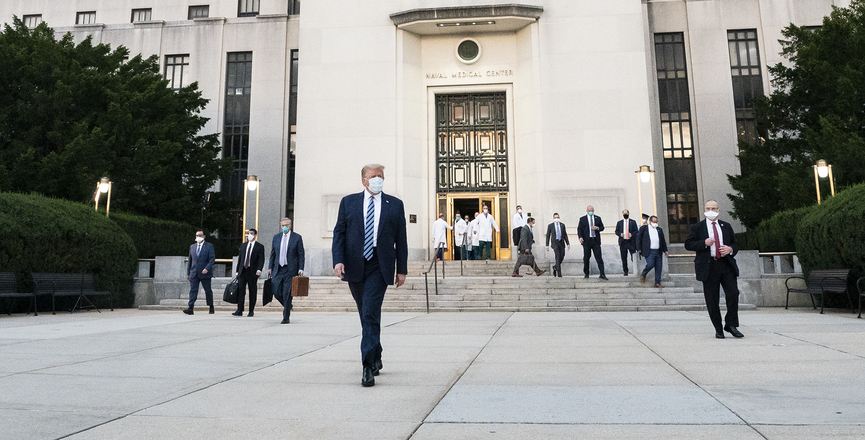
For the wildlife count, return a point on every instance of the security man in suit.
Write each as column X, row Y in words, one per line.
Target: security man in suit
column 627, row 238
column 369, row 239
column 287, row 259
column 250, row 262
column 651, row 244
column 715, row 244
column 199, row 270
column 589, row 231
column 559, row 233
column 524, row 246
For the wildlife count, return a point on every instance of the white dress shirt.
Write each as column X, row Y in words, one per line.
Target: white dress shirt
column 486, row 223
column 377, row 197
column 283, row 248
column 460, row 228
column 655, row 242
column 720, row 241
column 439, row 231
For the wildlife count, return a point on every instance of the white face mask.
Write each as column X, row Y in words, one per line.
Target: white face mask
column 654, row 225
column 711, row 215
column 486, row 211
column 519, row 211
column 556, row 220
column 376, row 184
column 199, row 239
column 250, row 237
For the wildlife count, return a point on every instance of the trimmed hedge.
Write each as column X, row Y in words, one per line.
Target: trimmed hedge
column 832, row 236
column 42, row 234
column 778, row 233
column 154, row 237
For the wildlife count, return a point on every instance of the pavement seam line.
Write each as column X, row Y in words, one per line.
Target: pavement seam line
column 817, row 344
column 451, row 386
column 219, row 382
column 690, row 380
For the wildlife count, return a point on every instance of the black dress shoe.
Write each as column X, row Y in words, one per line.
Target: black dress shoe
column 626, row 273
column 719, row 334
column 188, row 311
column 734, row 331
column 377, row 366
column 603, row 277
column 368, row 378
column 284, row 321
column 586, row 277
column 237, row 314
column 251, row 313
column 211, row 310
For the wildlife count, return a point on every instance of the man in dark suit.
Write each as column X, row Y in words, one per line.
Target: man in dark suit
column 559, row 233
column 287, row 259
column 626, row 230
column 369, row 239
column 651, row 244
column 715, row 244
column 199, row 270
column 250, row 262
column 524, row 247
column 589, row 231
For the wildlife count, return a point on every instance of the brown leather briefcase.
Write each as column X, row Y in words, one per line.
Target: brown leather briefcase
column 300, row 286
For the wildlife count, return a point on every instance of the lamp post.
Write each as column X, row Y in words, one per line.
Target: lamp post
column 251, row 183
column 103, row 186
column 823, row 170
column 646, row 175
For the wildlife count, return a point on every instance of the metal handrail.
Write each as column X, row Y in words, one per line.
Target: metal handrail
column 774, row 254
column 434, row 267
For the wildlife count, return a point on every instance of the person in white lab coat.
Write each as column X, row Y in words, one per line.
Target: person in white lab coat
column 470, row 228
column 517, row 223
column 460, row 227
column 475, row 238
column 440, row 236
column 484, row 232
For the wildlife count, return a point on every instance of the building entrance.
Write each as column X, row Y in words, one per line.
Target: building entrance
column 468, row 204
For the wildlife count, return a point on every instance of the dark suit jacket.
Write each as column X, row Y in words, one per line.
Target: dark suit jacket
column 527, row 239
column 256, row 259
column 696, row 241
column 348, row 238
column 620, row 229
column 551, row 233
column 644, row 242
column 294, row 258
column 199, row 262
column 583, row 228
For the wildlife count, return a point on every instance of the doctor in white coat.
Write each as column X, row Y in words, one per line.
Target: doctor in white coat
column 440, row 237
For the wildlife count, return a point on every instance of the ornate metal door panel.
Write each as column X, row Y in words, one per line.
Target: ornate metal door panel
column 471, row 143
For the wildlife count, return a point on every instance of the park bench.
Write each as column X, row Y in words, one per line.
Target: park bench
column 860, row 286
column 80, row 286
column 821, row 282
column 9, row 289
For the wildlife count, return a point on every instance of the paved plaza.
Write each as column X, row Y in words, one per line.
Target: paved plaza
column 133, row 374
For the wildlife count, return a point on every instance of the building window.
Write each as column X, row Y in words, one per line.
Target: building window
column 238, row 86
column 31, row 21
column 680, row 177
column 747, row 80
column 292, row 136
column 247, row 8
column 201, row 11
column 176, row 72
column 141, row 15
column 293, row 7
column 88, row 17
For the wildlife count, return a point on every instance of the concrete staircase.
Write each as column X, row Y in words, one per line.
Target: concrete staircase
column 491, row 293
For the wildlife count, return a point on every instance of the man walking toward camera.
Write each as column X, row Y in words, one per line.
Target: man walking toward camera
column 287, row 258
column 527, row 240
column 250, row 262
column 199, row 270
column 715, row 244
column 589, row 232
column 369, row 239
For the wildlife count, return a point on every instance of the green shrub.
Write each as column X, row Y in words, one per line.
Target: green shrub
column 154, row 237
column 778, row 233
column 832, row 236
column 41, row 234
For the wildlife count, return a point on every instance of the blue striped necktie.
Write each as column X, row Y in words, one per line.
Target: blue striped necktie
column 368, row 231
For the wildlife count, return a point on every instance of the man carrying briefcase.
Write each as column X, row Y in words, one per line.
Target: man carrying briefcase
column 287, row 260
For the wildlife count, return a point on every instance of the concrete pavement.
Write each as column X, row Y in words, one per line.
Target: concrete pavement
column 153, row 374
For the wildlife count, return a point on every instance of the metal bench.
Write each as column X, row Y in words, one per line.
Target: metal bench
column 9, row 289
column 88, row 289
column 860, row 286
column 821, row 282
column 80, row 286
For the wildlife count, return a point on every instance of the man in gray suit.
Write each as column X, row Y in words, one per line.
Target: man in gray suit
column 527, row 239
column 199, row 269
column 287, row 259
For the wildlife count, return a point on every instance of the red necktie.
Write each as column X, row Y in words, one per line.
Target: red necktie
column 717, row 243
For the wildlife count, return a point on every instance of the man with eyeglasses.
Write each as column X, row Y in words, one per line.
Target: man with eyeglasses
column 199, row 270
column 715, row 244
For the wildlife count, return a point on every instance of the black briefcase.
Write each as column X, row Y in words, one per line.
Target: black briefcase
column 230, row 294
column 267, row 292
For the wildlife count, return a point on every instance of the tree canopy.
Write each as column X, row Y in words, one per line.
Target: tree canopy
column 816, row 111
column 72, row 114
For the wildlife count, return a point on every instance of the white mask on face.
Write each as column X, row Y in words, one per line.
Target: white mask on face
column 199, row 239
column 376, row 184
column 250, row 237
column 654, row 225
column 486, row 211
column 519, row 211
column 711, row 215
column 556, row 220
